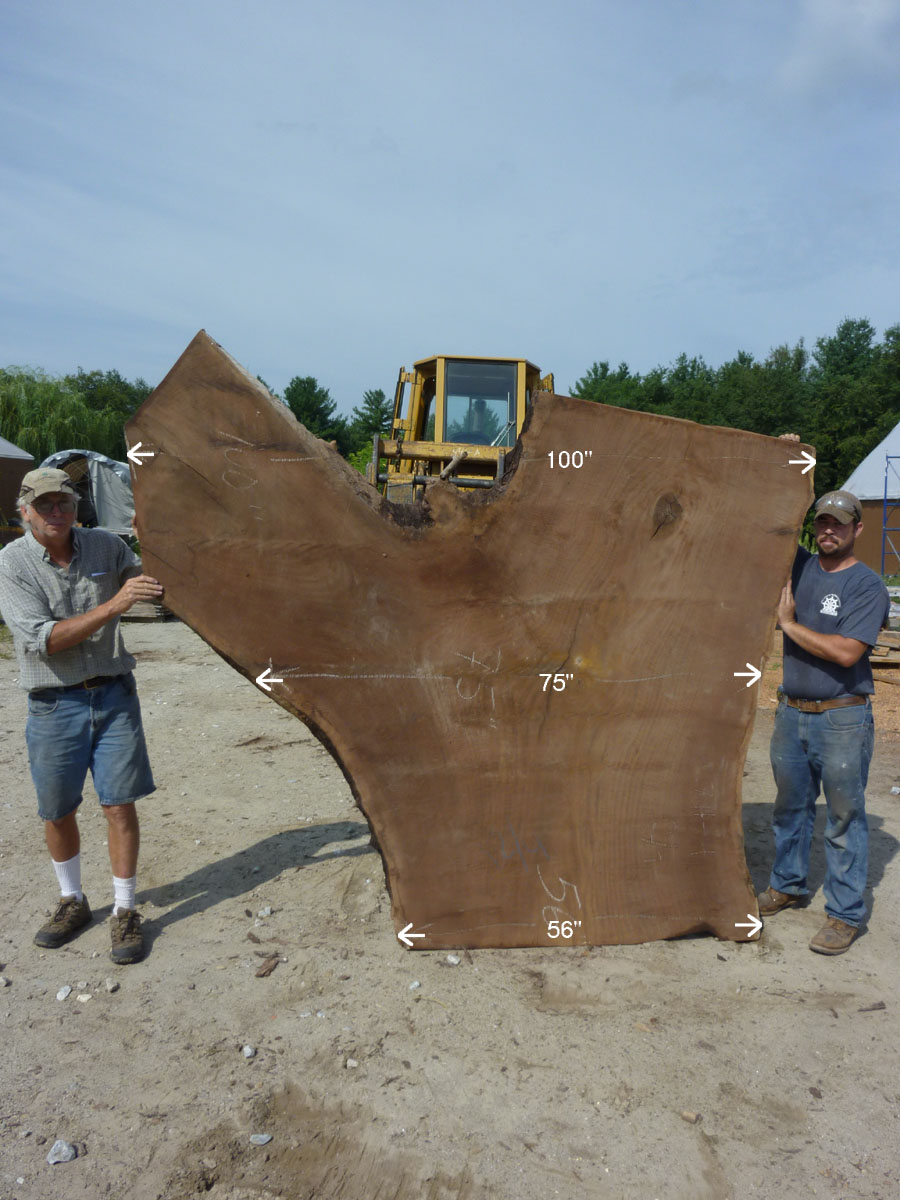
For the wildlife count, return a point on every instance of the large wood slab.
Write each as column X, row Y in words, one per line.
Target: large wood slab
column 413, row 642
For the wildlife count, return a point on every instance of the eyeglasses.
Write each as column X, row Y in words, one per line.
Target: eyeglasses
column 46, row 507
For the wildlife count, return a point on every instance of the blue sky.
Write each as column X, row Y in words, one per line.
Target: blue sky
column 334, row 189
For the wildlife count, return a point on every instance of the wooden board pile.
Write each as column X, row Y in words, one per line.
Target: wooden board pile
column 148, row 610
column 531, row 690
column 885, row 657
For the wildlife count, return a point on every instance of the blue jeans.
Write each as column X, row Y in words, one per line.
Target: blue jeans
column 831, row 750
column 71, row 732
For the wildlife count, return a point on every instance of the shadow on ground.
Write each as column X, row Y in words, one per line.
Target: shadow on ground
column 759, row 848
column 238, row 874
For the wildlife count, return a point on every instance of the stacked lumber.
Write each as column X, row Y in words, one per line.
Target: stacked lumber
column 148, row 610
column 885, row 657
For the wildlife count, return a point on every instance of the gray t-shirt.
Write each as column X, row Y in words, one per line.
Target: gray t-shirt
column 853, row 603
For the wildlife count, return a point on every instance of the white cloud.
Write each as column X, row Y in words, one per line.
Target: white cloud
column 622, row 181
column 840, row 42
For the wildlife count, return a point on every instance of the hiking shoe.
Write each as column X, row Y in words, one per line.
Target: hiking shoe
column 771, row 901
column 834, row 937
column 126, row 937
column 70, row 916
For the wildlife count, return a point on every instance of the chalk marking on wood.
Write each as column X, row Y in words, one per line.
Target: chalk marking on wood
column 235, row 469
column 234, row 437
column 566, row 884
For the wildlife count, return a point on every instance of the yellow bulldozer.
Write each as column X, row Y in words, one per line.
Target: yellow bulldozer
column 454, row 418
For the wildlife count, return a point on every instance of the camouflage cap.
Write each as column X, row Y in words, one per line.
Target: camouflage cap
column 842, row 505
column 44, row 480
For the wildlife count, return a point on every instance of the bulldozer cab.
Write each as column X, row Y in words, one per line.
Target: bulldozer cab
column 454, row 418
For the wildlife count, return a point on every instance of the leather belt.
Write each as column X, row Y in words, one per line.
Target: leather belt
column 817, row 706
column 94, row 682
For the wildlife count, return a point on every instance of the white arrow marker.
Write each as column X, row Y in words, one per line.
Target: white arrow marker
column 404, row 935
column 137, row 455
column 752, row 672
column 807, row 458
column 755, row 925
column 265, row 679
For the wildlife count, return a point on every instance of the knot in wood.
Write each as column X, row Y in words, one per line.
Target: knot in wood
column 666, row 512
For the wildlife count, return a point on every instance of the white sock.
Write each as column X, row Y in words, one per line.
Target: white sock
column 68, row 875
column 124, row 890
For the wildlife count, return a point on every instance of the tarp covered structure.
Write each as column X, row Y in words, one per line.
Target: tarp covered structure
column 104, row 486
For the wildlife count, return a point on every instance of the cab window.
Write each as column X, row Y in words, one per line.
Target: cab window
column 428, row 390
column 481, row 403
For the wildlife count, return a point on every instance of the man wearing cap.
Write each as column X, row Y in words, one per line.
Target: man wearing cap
column 830, row 614
column 62, row 591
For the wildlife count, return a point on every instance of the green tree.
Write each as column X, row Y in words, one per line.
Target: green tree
column 268, row 388
column 618, row 387
column 845, row 411
column 42, row 414
column 109, row 394
column 108, row 391
column 313, row 406
column 768, row 397
column 372, row 416
column 848, row 352
column 691, row 387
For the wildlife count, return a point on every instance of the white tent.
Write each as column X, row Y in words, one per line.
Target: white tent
column 878, row 546
column 868, row 480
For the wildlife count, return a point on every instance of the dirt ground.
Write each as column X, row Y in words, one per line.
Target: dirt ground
column 692, row 1069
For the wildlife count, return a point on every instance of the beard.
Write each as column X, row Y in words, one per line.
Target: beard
column 829, row 546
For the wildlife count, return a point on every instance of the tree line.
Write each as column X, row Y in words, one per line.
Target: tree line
column 842, row 397
column 87, row 410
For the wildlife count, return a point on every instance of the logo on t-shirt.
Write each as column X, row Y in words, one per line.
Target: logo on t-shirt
column 830, row 605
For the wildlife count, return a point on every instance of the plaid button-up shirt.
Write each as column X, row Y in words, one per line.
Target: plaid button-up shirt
column 35, row 593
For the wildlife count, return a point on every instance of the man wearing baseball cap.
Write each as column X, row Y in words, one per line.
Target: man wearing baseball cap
column 830, row 614
column 62, row 591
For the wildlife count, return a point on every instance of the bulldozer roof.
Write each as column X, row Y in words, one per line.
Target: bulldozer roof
column 432, row 358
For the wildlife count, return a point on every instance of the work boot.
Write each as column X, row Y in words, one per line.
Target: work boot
column 771, row 901
column 126, row 937
column 70, row 916
column 834, row 937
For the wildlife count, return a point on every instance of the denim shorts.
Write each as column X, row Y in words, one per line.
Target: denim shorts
column 70, row 732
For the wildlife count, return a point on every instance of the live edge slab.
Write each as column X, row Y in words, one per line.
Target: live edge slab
column 531, row 690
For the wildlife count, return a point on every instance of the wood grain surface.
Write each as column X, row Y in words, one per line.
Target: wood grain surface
column 415, row 642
